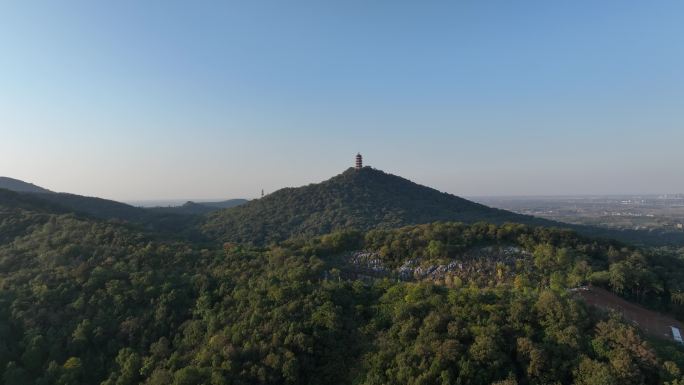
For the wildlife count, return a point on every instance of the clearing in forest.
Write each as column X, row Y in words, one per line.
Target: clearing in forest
column 649, row 321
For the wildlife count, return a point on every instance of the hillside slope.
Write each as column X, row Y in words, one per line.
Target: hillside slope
column 14, row 205
column 18, row 212
column 360, row 199
column 97, row 207
column 20, row 186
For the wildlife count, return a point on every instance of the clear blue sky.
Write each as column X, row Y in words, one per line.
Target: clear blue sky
column 162, row 99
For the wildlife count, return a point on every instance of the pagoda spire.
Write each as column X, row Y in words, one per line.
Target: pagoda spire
column 359, row 161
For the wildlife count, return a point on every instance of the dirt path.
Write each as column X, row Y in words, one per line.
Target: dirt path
column 649, row 321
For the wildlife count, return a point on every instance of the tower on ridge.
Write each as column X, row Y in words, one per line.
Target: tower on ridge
column 359, row 161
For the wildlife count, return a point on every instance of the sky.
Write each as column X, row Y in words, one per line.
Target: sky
column 135, row 100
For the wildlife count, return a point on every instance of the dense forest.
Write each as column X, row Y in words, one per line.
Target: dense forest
column 87, row 301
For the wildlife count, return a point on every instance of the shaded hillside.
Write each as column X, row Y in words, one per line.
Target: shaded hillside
column 14, row 207
column 362, row 200
column 20, row 186
column 15, row 200
column 97, row 207
column 91, row 206
column 173, row 224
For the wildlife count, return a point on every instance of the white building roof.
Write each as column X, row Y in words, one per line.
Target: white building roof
column 676, row 334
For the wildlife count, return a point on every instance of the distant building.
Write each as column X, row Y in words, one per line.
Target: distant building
column 680, row 226
column 676, row 334
column 359, row 161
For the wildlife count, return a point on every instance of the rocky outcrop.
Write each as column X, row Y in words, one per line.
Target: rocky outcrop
column 490, row 261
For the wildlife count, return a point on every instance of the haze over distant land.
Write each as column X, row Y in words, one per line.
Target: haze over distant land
column 140, row 100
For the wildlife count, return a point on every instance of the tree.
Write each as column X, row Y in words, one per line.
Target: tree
column 618, row 277
column 591, row 372
column 436, row 249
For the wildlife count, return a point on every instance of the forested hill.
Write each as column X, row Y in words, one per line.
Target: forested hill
column 20, row 186
column 367, row 199
column 97, row 207
column 12, row 200
column 86, row 301
column 360, row 199
column 174, row 221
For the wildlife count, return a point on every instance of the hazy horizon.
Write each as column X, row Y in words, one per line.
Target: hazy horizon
column 170, row 101
column 175, row 201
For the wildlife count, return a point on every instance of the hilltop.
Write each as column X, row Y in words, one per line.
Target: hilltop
column 360, row 199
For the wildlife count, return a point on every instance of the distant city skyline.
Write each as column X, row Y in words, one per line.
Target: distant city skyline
column 141, row 101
